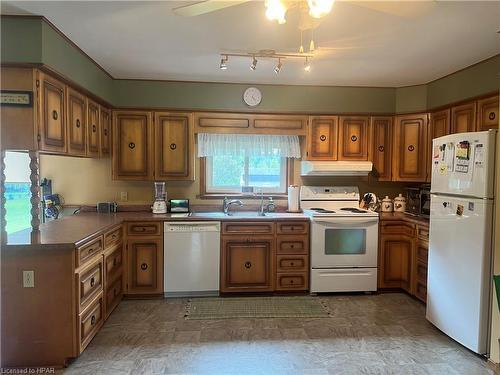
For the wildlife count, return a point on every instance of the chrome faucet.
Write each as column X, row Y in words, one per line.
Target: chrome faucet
column 269, row 207
column 226, row 204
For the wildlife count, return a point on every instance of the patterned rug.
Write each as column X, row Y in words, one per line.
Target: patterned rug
column 256, row 307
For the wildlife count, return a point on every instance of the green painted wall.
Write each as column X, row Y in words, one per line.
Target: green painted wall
column 276, row 98
column 32, row 40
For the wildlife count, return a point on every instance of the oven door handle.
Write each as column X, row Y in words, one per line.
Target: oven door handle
column 347, row 221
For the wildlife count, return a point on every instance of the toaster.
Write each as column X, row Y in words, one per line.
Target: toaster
column 106, row 207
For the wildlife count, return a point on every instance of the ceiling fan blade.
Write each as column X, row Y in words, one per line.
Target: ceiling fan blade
column 398, row 8
column 203, row 7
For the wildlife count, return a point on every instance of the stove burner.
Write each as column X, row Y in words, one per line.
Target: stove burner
column 322, row 210
column 353, row 210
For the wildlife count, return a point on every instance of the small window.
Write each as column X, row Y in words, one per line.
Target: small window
column 17, row 191
column 230, row 174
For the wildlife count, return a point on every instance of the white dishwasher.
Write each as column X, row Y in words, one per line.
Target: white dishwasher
column 191, row 258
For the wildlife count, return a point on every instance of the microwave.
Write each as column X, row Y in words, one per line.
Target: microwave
column 418, row 200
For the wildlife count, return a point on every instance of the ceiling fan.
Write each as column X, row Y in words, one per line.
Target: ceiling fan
column 410, row 8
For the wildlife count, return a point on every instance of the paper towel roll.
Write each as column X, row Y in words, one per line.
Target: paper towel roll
column 293, row 198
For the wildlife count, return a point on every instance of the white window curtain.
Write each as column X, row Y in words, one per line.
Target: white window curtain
column 286, row 146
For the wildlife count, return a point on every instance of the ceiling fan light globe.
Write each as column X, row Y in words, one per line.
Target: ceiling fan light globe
column 319, row 8
column 275, row 11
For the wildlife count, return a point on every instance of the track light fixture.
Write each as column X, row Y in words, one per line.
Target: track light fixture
column 254, row 64
column 307, row 65
column 223, row 63
column 277, row 69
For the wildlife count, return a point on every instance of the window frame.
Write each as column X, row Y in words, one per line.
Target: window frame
column 207, row 193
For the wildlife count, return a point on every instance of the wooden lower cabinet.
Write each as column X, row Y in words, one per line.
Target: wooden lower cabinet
column 419, row 281
column 395, row 262
column 247, row 264
column 145, row 266
column 89, row 322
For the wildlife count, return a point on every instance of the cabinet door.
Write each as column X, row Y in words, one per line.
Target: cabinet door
column 439, row 126
column 410, row 148
column 145, row 266
column 52, row 125
column 353, row 138
column 382, row 147
column 93, row 146
column 105, row 122
column 132, row 152
column 463, row 118
column 247, row 264
column 395, row 262
column 487, row 113
column 174, row 159
column 322, row 139
column 77, row 123
column 419, row 272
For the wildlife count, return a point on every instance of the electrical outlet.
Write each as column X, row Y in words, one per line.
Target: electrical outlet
column 123, row 196
column 28, row 279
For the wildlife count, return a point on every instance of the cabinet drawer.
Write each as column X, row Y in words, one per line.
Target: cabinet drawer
column 247, row 228
column 423, row 232
column 422, row 273
column 113, row 262
column 144, row 229
column 113, row 237
column 422, row 253
column 292, row 244
column 297, row 227
column 421, row 292
column 291, row 263
column 113, row 295
column 90, row 321
column 89, row 282
column 397, row 227
column 85, row 252
column 291, row 281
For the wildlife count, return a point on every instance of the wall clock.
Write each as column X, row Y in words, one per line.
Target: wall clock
column 252, row 96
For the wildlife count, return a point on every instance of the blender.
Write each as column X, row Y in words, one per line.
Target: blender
column 160, row 203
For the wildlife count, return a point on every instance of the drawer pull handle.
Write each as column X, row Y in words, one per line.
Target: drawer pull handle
column 248, row 265
column 411, row 148
column 173, row 146
column 354, row 138
column 322, row 138
column 92, row 282
column 292, row 264
column 77, row 123
column 92, row 320
column 131, row 145
column 106, row 132
column 291, row 246
column 94, row 128
column 115, row 293
column 114, row 262
column 54, row 115
column 492, row 116
column 381, row 148
column 144, row 266
column 291, row 281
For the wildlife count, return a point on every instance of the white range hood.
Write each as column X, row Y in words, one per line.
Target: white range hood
column 335, row 168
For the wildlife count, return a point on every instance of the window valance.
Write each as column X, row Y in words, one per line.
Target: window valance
column 287, row 146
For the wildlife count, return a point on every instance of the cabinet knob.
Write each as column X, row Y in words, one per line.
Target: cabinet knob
column 92, row 320
column 381, row 148
column 92, row 282
column 94, row 128
column 173, row 146
column 411, row 148
column 291, row 246
column 248, row 265
column 291, row 281
column 322, row 138
column 54, row 115
column 106, row 132
column 78, row 123
column 354, row 138
column 144, row 266
column 492, row 116
column 292, row 264
column 131, row 145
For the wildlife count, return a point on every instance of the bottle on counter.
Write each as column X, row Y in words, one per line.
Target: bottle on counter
column 400, row 203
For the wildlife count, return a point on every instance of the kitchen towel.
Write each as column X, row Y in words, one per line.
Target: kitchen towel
column 293, row 198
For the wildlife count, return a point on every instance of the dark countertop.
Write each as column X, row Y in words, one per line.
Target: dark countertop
column 76, row 229
column 404, row 216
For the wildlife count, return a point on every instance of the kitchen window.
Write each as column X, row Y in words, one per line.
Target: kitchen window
column 17, row 191
column 244, row 164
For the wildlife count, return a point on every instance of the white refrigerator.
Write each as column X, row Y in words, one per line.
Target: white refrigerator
column 460, row 240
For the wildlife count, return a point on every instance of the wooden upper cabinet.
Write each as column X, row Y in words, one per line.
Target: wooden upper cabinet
column 322, row 139
column 280, row 124
column 410, row 148
column 52, row 122
column 353, row 138
column 93, row 143
column 105, row 122
column 77, row 123
column 381, row 153
column 439, row 126
column 463, row 118
column 132, row 145
column 487, row 113
column 174, row 145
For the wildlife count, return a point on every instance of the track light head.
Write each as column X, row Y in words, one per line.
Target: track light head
column 254, row 64
column 277, row 69
column 307, row 65
column 223, row 63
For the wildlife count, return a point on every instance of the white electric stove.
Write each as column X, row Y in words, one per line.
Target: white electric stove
column 344, row 240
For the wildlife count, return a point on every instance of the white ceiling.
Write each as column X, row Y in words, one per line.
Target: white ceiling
column 360, row 46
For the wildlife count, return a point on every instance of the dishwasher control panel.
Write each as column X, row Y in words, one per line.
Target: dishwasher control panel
column 193, row 226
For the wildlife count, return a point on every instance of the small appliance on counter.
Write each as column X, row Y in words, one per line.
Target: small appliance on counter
column 418, row 200
column 106, row 207
column 387, row 205
column 179, row 206
column 400, row 203
column 160, row 203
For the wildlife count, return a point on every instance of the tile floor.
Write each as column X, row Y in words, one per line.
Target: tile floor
column 368, row 334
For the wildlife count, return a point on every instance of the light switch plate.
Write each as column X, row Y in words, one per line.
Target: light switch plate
column 123, row 196
column 28, row 279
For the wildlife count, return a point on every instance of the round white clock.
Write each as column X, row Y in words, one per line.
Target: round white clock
column 252, row 96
